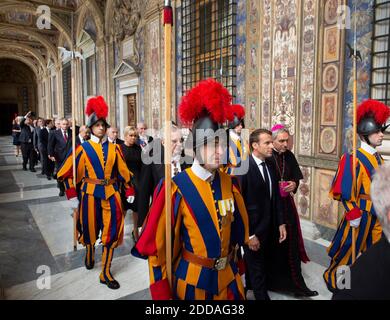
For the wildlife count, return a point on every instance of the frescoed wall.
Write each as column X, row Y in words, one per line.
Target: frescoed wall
column 364, row 16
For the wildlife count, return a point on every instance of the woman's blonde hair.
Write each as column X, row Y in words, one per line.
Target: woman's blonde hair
column 129, row 129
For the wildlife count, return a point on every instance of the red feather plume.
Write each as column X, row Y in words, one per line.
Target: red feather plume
column 238, row 110
column 207, row 98
column 98, row 106
column 377, row 109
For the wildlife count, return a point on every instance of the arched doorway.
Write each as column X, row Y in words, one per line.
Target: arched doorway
column 18, row 92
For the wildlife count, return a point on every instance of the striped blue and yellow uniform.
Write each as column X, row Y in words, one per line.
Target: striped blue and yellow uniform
column 100, row 206
column 369, row 230
column 209, row 219
column 238, row 153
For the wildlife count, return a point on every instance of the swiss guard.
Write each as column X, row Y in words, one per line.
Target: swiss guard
column 100, row 170
column 209, row 218
column 238, row 150
column 360, row 214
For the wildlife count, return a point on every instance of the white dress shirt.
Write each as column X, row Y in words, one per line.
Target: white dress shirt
column 366, row 147
column 200, row 171
column 112, row 141
column 234, row 135
column 97, row 140
column 81, row 139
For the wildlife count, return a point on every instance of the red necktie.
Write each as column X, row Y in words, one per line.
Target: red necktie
column 65, row 136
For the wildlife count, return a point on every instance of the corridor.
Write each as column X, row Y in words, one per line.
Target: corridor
column 36, row 240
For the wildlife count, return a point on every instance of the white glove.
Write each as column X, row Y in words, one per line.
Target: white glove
column 74, row 202
column 130, row 199
column 355, row 223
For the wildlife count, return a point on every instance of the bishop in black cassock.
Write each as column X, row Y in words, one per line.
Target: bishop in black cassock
column 285, row 258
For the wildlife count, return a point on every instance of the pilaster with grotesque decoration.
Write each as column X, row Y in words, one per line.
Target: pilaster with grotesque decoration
column 60, row 91
column 110, row 86
column 79, row 103
column 100, row 60
column 47, row 110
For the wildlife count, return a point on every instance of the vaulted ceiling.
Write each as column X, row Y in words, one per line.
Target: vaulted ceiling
column 20, row 36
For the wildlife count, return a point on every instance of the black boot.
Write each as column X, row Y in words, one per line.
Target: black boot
column 305, row 292
column 106, row 276
column 89, row 256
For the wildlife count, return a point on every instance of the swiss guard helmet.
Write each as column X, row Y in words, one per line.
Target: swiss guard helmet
column 238, row 116
column 96, row 110
column 206, row 107
column 372, row 116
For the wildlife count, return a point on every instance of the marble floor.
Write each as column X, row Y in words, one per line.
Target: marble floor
column 37, row 260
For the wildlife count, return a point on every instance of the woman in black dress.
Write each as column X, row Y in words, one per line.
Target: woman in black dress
column 132, row 154
column 15, row 135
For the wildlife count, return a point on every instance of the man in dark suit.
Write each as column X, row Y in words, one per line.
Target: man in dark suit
column 41, row 145
column 112, row 134
column 153, row 171
column 369, row 275
column 76, row 127
column 84, row 135
column 261, row 196
column 39, row 125
column 143, row 139
column 60, row 142
column 26, row 141
column 50, row 127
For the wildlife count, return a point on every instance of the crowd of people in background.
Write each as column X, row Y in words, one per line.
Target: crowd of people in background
column 49, row 141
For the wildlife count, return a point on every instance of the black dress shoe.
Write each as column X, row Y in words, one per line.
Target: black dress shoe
column 48, row 177
column 33, row 170
column 24, row 169
column 89, row 266
column 306, row 293
column 111, row 284
column 61, row 194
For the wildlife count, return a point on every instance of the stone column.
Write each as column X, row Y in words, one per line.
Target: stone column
column 154, row 95
column 48, row 95
column 109, row 69
column 78, row 90
column 40, row 108
column 101, row 66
